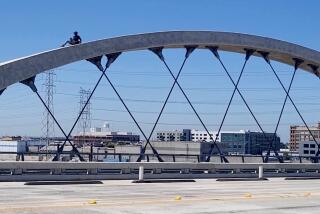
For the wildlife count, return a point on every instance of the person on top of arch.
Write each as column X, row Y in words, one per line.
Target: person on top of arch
column 75, row 40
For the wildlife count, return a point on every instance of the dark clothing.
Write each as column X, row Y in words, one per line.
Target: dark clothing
column 76, row 39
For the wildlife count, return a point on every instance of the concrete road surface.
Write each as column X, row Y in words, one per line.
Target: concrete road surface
column 203, row 196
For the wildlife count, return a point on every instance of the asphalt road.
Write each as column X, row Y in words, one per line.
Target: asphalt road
column 203, row 196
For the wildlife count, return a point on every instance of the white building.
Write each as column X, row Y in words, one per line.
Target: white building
column 191, row 135
column 307, row 148
column 13, row 146
column 186, row 135
column 169, row 135
column 198, row 136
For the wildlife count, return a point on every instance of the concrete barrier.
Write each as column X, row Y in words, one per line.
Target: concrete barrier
column 47, row 171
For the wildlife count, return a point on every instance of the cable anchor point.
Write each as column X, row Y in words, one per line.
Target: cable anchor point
column 111, row 58
column 265, row 56
column 314, row 69
column 2, row 90
column 214, row 50
column 96, row 61
column 30, row 82
column 158, row 52
column 297, row 62
column 189, row 49
column 249, row 53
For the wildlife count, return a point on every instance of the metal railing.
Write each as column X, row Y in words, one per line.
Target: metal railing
column 27, row 171
column 132, row 157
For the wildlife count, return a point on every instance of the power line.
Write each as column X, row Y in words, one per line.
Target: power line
column 192, row 88
column 270, row 102
column 193, row 124
column 203, row 113
column 13, row 117
column 259, row 101
column 169, row 124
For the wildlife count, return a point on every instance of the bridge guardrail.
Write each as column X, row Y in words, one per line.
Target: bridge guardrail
column 32, row 171
column 132, row 157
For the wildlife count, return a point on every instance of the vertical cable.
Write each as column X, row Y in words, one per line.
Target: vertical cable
column 53, row 117
column 96, row 61
column 133, row 118
column 159, row 53
column 297, row 63
column 189, row 50
column 75, row 123
column 214, row 50
column 249, row 52
column 31, row 83
column 266, row 58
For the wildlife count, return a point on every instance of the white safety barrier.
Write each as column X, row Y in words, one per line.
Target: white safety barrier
column 27, row 171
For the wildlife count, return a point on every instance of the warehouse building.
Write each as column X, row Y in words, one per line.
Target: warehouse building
column 12, row 147
column 97, row 137
column 170, row 151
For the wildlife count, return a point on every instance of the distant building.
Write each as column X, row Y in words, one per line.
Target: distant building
column 300, row 133
column 171, row 151
column 185, row 150
column 179, row 151
column 283, row 152
column 247, row 142
column 169, row 135
column 307, row 148
column 187, row 136
column 13, row 146
column 11, row 138
column 237, row 142
column 199, row 136
column 97, row 137
column 19, row 144
column 184, row 135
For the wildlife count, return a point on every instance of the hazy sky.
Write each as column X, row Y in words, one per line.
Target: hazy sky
column 32, row 26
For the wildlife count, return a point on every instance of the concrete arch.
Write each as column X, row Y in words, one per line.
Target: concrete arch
column 20, row 69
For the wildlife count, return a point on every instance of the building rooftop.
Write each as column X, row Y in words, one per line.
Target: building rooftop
column 317, row 126
column 103, row 133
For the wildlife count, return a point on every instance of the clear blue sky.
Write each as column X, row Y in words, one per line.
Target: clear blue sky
column 32, row 26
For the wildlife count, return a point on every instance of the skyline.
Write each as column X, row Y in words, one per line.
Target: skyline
column 203, row 79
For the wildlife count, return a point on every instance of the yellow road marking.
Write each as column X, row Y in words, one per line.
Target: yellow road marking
column 36, row 206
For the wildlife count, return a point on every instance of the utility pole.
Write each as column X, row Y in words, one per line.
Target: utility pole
column 85, row 119
column 48, row 122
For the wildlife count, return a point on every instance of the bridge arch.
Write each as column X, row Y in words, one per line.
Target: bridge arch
column 23, row 68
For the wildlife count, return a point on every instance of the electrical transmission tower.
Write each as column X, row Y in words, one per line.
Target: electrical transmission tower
column 85, row 119
column 48, row 122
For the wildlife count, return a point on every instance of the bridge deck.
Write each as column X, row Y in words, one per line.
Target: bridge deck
column 203, row 196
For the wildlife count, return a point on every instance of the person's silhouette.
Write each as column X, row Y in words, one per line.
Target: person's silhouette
column 76, row 39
